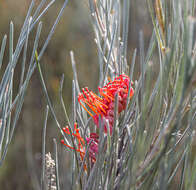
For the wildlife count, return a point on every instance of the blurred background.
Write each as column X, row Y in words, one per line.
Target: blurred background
column 22, row 166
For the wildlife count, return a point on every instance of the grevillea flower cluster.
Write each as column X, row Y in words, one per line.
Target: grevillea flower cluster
column 93, row 140
column 100, row 106
column 104, row 106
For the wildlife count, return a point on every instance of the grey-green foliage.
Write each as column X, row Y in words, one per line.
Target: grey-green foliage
column 10, row 106
column 153, row 139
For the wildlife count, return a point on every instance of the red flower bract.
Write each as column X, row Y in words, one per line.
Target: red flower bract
column 104, row 106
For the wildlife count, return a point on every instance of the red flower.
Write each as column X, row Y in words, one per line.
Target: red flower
column 93, row 140
column 100, row 106
column 104, row 106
